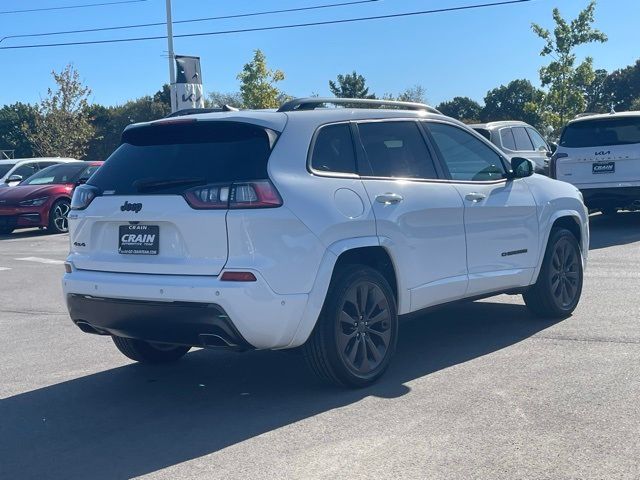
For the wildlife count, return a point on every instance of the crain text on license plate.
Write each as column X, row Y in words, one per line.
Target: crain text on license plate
column 139, row 239
column 603, row 167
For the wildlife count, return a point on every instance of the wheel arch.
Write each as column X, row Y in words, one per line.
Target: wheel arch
column 362, row 250
column 576, row 224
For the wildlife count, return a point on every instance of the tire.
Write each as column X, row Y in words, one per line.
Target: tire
column 557, row 292
column 147, row 352
column 58, row 216
column 357, row 331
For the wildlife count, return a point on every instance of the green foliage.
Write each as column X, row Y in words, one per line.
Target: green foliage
column 623, row 87
column 220, row 99
column 518, row 100
column 566, row 81
column 351, row 85
column 109, row 122
column 257, row 83
column 461, row 108
column 597, row 97
column 12, row 135
column 417, row 94
column 62, row 125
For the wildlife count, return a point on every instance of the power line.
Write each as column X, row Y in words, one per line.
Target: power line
column 275, row 27
column 205, row 19
column 68, row 7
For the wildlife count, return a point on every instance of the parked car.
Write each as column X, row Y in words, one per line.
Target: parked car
column 314, row 228
column 43, row 199
column 15, row 170
column 600, row 154
column 518, row 139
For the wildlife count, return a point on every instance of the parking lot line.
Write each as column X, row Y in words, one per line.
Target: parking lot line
column 2, row 269
column 42, row 260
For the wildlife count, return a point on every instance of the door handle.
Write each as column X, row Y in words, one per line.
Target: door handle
column 475, row 197
column 389, row 198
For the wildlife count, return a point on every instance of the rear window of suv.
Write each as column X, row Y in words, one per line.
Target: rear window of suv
column 601, row 132
column 172, row 157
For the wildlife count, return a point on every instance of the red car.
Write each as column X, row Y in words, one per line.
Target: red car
column 43, row 199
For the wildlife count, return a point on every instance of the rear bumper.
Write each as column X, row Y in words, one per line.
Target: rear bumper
column 612, row 197
column 184, row 323
column 183, row 309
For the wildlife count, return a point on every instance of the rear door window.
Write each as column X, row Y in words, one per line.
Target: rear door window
column 538, row 142
column 507, row 140
column 601, row 132
column 523, row 142
column 396, row 149
column 172, row 157
column 333, row 150
column 466, row 157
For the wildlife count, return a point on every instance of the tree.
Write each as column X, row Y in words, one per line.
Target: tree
column 596, row 95
column 567, row 82
column 350, row 85
column 461, row 108
column 110, row 122
column 257, row 83
column 220, row 99
column 62, row 125
column 622, row 87
column 416, row 94
column 12, row 136
column 518, row 100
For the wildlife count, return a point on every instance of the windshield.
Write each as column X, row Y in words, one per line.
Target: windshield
column 601, row 132
column 4, row 168
column 58, row 174
column 172, row 158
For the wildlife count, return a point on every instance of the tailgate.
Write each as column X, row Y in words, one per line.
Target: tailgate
column 588, row 166
column 166, row 236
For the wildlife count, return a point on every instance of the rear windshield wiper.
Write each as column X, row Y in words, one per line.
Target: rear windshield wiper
column 155, row 184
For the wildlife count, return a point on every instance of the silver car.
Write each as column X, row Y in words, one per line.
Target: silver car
column 518, row 139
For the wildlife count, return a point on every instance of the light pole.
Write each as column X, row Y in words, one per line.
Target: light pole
column 172, row 66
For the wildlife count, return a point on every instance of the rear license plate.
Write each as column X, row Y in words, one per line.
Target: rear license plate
column 139, row 239
column 603, row 167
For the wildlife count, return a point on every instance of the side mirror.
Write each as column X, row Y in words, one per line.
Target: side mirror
column 521, row 168
column 14, row 178
column 553, row 146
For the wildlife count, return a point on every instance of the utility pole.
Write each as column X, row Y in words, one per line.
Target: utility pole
column 172, row 65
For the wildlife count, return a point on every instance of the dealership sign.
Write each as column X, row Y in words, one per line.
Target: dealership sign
column 188, row 87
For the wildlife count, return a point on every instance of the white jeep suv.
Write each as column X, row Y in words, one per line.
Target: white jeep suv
column 314, row 228
column 600, row 154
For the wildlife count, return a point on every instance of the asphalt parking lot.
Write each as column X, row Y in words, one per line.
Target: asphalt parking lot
column 479, row 390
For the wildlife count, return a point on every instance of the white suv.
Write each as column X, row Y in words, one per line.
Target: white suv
column 314, row 228
column 600, row 154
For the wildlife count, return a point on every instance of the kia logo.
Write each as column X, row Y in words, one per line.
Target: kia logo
column 602, row 152
column 131, row 207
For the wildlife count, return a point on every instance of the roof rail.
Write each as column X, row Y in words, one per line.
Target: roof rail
column 195, row 111
column 311, row 103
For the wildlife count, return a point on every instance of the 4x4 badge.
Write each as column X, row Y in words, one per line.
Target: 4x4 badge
column 131, row 207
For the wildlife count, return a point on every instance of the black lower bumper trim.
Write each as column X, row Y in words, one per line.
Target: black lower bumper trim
column 622, row 197
column 180, row 323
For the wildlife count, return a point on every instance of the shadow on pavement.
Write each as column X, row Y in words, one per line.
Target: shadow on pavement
column 136, row 419
column 28, row 233
column 619, row 229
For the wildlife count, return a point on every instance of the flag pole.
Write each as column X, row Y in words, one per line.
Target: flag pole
column 172, row 66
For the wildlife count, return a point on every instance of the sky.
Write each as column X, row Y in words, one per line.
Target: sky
column 463, row 53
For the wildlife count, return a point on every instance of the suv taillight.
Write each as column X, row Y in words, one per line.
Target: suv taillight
column 83, row 195
column 553, row 163
column 255, row 194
